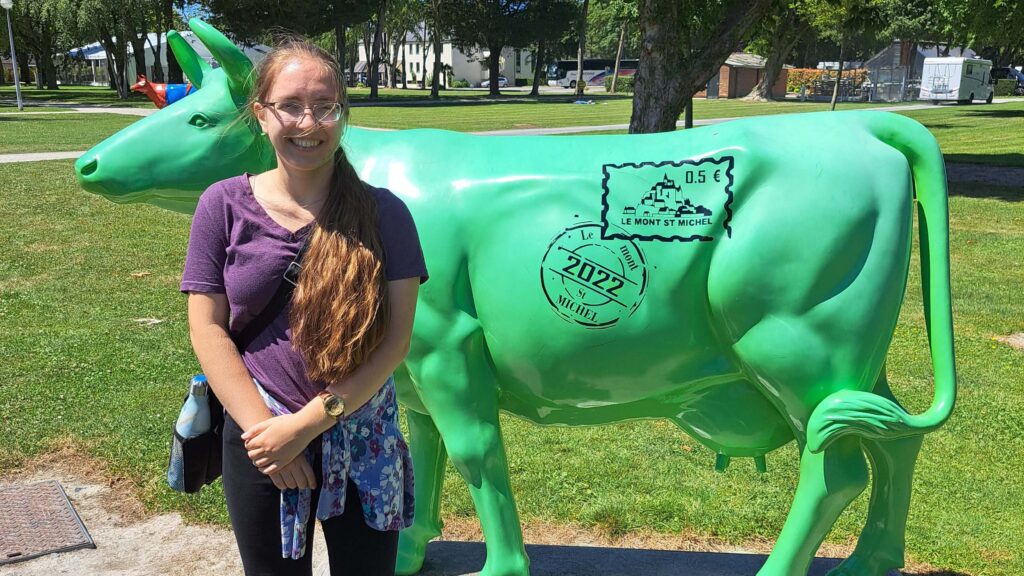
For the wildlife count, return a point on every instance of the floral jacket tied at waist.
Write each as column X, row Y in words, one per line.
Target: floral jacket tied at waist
column 366, row 447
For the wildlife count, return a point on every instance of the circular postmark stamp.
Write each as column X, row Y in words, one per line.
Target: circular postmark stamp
column 591, row 281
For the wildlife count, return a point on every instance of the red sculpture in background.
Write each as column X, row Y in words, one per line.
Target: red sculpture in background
column 162, row 94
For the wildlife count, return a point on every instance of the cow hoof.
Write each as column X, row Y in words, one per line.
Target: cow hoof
column 518, row 566
column 410, row 556
column 864, row 565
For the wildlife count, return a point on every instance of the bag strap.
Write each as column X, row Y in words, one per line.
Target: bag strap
column 278, row 301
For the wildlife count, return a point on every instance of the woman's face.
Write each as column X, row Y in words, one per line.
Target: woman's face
column 302, row 144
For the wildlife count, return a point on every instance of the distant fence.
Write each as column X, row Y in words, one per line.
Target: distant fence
column 819, row 84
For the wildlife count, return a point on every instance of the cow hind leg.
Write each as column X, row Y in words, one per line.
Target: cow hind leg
column 459, row 390
column 829, row 481
column 880, row 547
column 428, row 460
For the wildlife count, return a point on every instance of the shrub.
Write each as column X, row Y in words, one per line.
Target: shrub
column 625, row 84
column 360, row 85
column 522, row 82
column 812, row 77
column 1005, row 87
column 460, row 83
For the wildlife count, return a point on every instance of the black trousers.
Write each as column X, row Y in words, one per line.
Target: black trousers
column 254, row 505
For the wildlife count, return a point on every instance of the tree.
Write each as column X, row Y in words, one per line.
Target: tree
column 683, row 45
column 43, row 28
column 582, row 31
column 853, row 24
column 605, row 22
column 778, row 36
column 250, row 20
column 114, row 23
column 491, row 24
column 547, row 21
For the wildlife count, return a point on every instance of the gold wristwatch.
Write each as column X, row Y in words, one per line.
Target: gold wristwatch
column 334, row 406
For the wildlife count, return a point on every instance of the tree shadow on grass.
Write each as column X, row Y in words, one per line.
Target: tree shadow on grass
column 464, row 558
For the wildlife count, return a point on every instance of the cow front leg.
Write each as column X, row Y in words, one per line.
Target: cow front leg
column 428, row 459
column 459, row 390
column 829, row 481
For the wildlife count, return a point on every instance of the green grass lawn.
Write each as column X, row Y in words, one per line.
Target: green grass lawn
column 70, row 95
column 58, row 132
column 979, row 134
column 80, row 369
column 552, row 111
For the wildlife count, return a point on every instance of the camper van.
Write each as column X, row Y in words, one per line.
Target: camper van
column 963, row 80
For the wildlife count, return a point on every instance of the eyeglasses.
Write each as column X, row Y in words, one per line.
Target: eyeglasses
column 291, row 111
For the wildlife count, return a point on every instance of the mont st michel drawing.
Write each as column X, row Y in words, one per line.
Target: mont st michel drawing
column 667, row 201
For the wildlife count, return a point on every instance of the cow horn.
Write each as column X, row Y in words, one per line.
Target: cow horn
column 191, row 63
column 237, row 66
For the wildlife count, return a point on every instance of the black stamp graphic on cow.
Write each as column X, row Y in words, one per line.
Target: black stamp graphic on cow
column 590, row 280
column 667, row 201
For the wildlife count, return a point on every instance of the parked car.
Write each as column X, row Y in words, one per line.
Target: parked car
column 502, row 83
column 1010, row 73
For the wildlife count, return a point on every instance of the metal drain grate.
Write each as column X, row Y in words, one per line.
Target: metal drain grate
column 38, row 519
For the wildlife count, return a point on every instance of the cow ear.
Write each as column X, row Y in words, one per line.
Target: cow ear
column 191, row 63
column 237, row 66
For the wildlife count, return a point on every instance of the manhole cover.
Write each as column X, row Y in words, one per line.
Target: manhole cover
column 38, row 519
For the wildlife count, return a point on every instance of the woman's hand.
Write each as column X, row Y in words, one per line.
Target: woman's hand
column 277, row 441
column 296, row 474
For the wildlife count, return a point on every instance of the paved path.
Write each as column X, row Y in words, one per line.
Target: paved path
column 36, row 156
column 63, row 109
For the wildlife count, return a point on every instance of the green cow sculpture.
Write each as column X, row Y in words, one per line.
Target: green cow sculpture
column 742, row 281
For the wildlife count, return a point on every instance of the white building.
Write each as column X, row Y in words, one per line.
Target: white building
column 471, row 67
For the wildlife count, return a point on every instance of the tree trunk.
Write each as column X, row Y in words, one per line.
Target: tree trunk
column 174, row 73
column 618, row 58
column 40, row 73
column 25, row 71
column 378, row 34
column 839, row 78
column 158, row 67
column 3, row 75
column 339, row 41
column 785, row 36
column 139, row 55
column 435, row 88
column 394, row 61
column 405, row 68
column 666, row 78
column 493, row 70
column 581, row 49
column 688, row 113
column 538, row 65
column 51, row 74
column 423, row 62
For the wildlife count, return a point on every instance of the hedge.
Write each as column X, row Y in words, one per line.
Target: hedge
column 1005, row 87
column 625, row 84
column 808, row 76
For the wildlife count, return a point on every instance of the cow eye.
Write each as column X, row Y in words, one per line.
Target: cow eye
column 200, row 120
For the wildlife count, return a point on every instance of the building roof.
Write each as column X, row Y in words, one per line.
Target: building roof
column 745, row 60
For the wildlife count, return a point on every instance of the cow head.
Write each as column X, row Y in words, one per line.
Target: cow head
column 169, row 158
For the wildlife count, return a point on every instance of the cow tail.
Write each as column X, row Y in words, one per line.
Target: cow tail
column 870, row 415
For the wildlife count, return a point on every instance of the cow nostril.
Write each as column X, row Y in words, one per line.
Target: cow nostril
column 89, row 168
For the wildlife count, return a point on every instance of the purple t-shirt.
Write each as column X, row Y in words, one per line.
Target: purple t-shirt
column 236, row 248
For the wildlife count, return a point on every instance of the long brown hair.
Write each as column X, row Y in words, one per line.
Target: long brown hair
column 339, row 311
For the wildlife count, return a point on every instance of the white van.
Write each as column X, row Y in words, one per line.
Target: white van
column 959, row 79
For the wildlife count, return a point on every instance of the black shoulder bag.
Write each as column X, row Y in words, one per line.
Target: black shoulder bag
column 196, row 461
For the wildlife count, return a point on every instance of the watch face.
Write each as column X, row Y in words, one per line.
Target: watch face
column 334, row 406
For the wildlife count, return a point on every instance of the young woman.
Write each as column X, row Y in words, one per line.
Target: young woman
column 311, row 429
